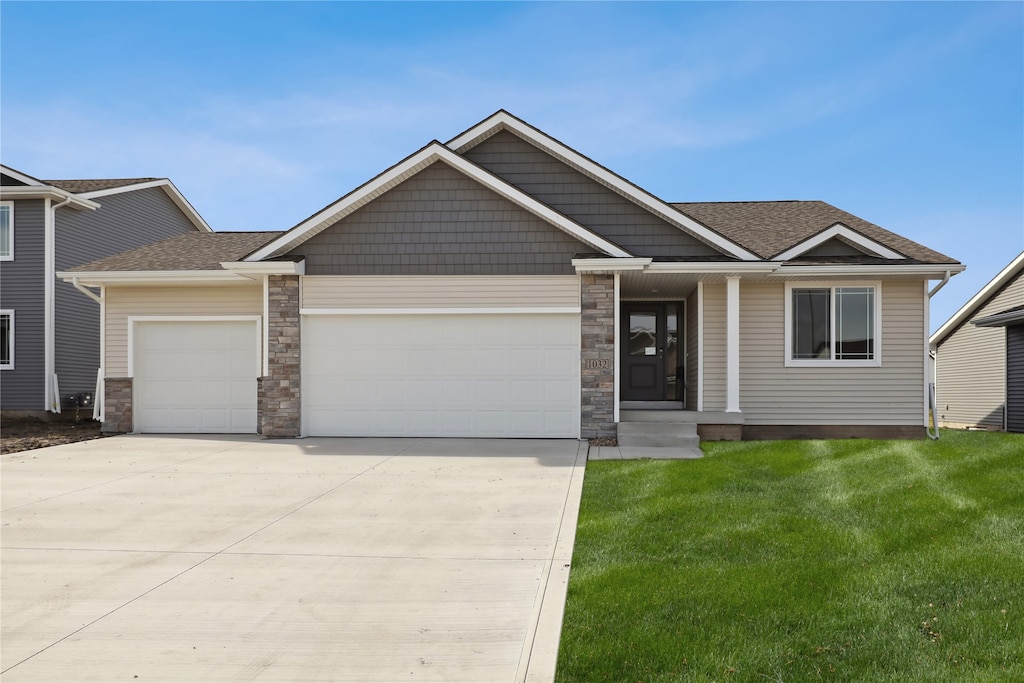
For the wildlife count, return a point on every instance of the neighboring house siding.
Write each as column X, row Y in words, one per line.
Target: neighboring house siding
column 583, row 199
column 1015, row 378
column 692, row 351
column 441, row 222
column 773, row 394
column 426, row 291
column 124, row 221
column 122, row 302
column 970, row 371
column 21, row 290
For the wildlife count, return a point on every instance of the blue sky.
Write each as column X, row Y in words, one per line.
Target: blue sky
column 910, row 115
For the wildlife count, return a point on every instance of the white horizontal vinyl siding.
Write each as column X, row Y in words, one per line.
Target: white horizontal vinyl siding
column 714, row 347
column 416, row 291
column 970, row 369
column 773, row 394
column 122, row 302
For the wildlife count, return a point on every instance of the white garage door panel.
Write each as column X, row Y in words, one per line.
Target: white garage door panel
column 441, row 375
column 196, row 376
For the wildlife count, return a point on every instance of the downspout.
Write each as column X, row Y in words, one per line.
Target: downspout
column 939, row 286
column 932, row 430
column 49, row 327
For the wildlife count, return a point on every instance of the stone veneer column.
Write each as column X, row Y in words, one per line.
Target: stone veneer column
column 598, row 347
column 279, row 400
column 117, row 405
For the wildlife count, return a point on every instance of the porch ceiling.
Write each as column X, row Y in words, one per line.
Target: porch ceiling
column 640, row 285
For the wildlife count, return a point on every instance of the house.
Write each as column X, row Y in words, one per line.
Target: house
column 504, row 285
column 979, row 357
column 50, row 347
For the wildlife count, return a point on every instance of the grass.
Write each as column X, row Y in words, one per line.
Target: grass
column 794, row 561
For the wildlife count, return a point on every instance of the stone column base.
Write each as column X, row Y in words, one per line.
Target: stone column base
column 117, row 405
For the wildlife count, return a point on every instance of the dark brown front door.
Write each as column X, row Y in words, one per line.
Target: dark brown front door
column 643, row 352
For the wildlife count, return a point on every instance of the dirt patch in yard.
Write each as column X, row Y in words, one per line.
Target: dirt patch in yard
column 28, row 434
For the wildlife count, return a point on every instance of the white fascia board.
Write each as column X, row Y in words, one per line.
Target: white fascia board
column 929, row 271
column 503, row 120
column 176, row 196
column 839, row 230
column 22, row 177
column 727, row 267
column 435, row 151
column 976, row 301
column 608, row 265
column 101, row 278
column 257, row 269
column 47, row 192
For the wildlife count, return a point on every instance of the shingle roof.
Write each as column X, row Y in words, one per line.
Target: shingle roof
column 79, row 186
column 770, row 228
column 191, row 251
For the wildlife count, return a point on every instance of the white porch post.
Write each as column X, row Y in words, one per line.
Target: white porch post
column 732, row 345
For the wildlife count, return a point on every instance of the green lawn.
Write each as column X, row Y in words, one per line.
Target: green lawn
column 802, row 560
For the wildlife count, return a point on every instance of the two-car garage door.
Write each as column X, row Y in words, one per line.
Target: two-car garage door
column 458, row 375
column 485, row 375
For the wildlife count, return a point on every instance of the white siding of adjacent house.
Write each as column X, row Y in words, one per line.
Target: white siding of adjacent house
column 464, row 291
column 773, row 394
column 122, row 302
column 970, row 370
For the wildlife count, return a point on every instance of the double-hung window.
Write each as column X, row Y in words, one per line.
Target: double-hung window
column 6, row 231
column 6, row 340
column 833, row 325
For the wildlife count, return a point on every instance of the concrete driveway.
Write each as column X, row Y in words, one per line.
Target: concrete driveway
column 234, row 559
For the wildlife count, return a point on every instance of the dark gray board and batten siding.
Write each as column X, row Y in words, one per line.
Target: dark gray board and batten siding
column 1015, row 378
column 441, row 222
column 585, row 200
column 124, row 221
column 21, row 290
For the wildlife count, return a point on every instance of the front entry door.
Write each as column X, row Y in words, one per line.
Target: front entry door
column 643, row 352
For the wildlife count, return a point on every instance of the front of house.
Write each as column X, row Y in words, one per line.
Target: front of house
column 504, row 285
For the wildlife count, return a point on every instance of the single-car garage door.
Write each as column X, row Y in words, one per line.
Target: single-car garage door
column 196, row 376
column 487, row 375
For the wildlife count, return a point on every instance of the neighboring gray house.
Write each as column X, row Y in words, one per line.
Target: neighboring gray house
column 50, row 340
column 979, row 357
column 504, row 285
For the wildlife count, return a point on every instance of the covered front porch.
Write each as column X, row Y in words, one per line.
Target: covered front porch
column 658, row 350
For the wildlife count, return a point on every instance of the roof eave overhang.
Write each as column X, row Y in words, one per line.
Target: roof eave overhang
column 1000, row 319
column 433, row 152
column 152, row 277
column 648, row 265
column 502, row 120
column 929, row 271
column 257, row 269
column 47, row 192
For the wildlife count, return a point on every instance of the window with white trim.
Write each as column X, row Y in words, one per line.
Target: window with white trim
column 6, row 340
column 6, row 231
column 837, row 325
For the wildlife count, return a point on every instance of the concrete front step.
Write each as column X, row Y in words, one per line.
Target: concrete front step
column 643, row 452
column 658, row 434
column 680, row 416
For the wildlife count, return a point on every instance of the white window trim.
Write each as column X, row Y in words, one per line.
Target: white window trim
column 10, row 256
column 831, row 362
column 9, row 365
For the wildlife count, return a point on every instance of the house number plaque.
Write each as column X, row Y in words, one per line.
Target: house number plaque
column 592, row 364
